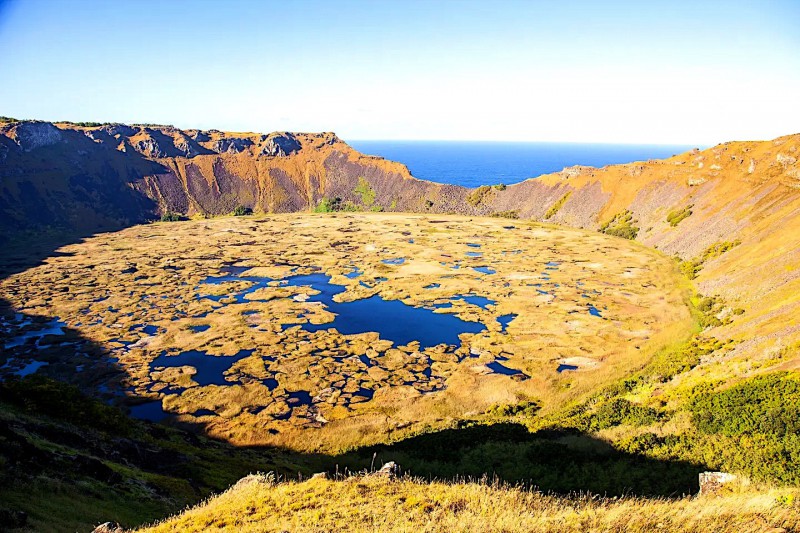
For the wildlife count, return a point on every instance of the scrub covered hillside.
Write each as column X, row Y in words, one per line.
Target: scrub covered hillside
column 588, row 362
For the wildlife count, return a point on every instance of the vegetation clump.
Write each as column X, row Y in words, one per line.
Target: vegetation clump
column 332, row 205
column 84, row 124
column 765, row 404
column 506, row 214
column 476, row 197
column 620, row 411
column 365, row 191
column 669, row 364
column 171, row 216
column 500, row 186
column 621, row 225
column 36, row 394
column 525, row 408
column 556, row 207
column 691, row 268
column 675, row 217
column 240, row 211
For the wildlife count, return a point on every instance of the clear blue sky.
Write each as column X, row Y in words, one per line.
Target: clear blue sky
column 660, row 71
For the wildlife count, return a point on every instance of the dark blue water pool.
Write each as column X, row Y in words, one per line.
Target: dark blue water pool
column 210, row 368
column 391, row 319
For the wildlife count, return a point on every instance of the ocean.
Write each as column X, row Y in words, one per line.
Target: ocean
column 475, row 163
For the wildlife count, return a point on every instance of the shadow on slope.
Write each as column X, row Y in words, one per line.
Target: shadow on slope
column 559, row 461
column 71, row 461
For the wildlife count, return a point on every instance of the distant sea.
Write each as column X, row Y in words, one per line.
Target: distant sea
column 474, row 163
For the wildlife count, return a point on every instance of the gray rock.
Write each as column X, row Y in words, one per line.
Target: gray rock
column 200, row 136
column 232, row 145
column 390, row 470
column 33, row 135
column 108, row 527
column 259, row 479
column 712, row 482
column 119, row 129
column 281, row 145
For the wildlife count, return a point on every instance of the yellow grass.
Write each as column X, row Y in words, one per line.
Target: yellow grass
column 371, row 503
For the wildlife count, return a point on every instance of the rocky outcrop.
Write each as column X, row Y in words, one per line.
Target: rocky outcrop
column 281, row 145
column 231, row 145
column 32, row 135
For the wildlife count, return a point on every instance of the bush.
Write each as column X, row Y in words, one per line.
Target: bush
column 691, row 268
column 477, row 196
column 674, row 217
column 506, row 214
column 241, row 210
column 556, row 207
column 766, row 404
column 169, row 216
column 500, row 186
column 667, row 365
column 620, row 411
column 527, row 409
column 44, row 396
column 328, row 205
column 621, row 225
column 365, row 191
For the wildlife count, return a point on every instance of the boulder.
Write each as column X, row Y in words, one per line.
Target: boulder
column 32, row 135
column 231, row 145
column 389, row 470
column 712, row 482
column 108, row 527
column 281, row 145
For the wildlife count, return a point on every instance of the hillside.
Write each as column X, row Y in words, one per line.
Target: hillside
column 370, row 503
column 643, row 317
column 74, row 178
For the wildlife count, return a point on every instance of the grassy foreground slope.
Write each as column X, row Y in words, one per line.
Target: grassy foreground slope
column 375, row 504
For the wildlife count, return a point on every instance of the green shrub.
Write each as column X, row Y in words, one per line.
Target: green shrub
column 44, row 396
column 674, row 217
column 365, row 191
column 766, row 404
column 717, row 249
column 668, row 364
column 477, row 196
column 241, row 210
column 620, row 411
column 691, row 268
column 506, row 214
column 328, row 205
column 527, row 409
column 500, row 186
column 556, row 207
column 621, row 225
column 169, row 216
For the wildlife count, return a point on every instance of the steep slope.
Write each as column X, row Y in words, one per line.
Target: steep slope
column 73, row 178
column 373, row 503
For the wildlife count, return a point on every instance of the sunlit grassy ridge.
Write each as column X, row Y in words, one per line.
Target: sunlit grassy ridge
column 375, row 504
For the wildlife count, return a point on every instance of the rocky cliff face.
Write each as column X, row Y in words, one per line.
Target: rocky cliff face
column 92, row 178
